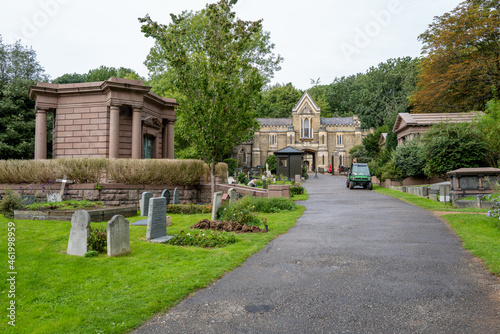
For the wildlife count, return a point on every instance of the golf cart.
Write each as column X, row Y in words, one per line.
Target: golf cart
column 359, row 175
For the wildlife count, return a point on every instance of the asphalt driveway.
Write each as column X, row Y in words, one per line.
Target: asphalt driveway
column 356, row 262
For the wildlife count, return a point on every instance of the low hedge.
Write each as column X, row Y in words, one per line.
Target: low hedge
column 93, row 170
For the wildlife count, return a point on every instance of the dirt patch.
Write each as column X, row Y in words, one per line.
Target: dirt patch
column 218, row 225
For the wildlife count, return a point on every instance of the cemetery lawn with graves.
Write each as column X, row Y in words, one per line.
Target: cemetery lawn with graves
column 480, row 234
column 59, row 293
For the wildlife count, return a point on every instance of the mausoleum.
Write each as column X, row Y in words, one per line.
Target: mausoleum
column 116, row 118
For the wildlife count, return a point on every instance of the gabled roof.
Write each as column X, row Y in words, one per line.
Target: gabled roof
column 310, row 99
column 383, row 138
column 289, row 150
column 338, row 121
column 275, row 121
column 427, row 119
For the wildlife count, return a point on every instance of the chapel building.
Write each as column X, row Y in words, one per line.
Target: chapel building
column 327, row 140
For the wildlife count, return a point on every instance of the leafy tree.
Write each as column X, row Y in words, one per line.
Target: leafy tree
column 101, row 73
column 277, row 101
column 359, row 153
column 489, row 127
column 220, row 63
column 449, row 146
column 461, row 70
column 410, row 159
column 19, row 69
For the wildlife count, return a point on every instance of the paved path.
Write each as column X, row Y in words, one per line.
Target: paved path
column 356, row 262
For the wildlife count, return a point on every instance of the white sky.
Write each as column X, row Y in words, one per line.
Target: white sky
column 317, row 38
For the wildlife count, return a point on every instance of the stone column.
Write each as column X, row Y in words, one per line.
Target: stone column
column 114, row 132
column 164, row 140
column 136, row 133
column 170, row 139
column 41, row 134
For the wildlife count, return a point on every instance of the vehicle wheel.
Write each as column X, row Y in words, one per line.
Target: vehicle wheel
column 351, row 185
column 370, row 186
column 347, row 183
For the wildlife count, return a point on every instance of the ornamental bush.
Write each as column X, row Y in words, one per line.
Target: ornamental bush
column 207, row 239
column 97, row 239
column 240, row 211
column 11, row 201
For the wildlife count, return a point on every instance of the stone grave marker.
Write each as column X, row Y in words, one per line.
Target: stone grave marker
column 165, row 193
column 80, row 224
column 157, row 220
column 217, row 203
column 54, row 197
column 297, row 178
column 176, row 200
column 118, row 236
column 145, row 198
column 233, row 195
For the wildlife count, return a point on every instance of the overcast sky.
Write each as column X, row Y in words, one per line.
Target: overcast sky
column 317, row 38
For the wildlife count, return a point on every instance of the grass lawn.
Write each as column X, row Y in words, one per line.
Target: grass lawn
column 479, row 234
column 58, row 293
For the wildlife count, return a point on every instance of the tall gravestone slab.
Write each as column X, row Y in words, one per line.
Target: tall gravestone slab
column 157, row 220
column 118, row 236
column 297, row 178
column 165, row 193
column 145, row 198
column 176, row 199
column 217, row 203
column 80, row 230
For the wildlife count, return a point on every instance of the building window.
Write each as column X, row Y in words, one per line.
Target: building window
column 340, row 161
column 340, row 141
column 323, row 160
column 306, row 128
column 323, row 139
column 272, row 140
column 283, row 162
column 291, row 140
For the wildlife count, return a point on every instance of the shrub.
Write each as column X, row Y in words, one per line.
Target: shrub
column 11, row 201
column 188, row 209
column 232, row 164
column 202, row 239
column 272, row 205
column 296, row 189
column 83, row 170
column 242, row 178
column 239, row 212
column 272, row 162
column 97, row 240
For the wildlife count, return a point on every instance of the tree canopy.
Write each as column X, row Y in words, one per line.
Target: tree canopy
column 220, row 63
column 101, row 73
column 19, row 69
column 277, row 101
column 461, row 69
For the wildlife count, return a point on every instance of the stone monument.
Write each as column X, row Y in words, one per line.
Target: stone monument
column 157, row 221
column 80, row 225
column 145, row 198
column 118, row 236
column 165, row 193
column 233, row 195
column 217, row 203
column 176, row 197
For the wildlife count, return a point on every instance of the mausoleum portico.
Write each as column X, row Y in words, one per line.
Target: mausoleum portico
column 116, row 118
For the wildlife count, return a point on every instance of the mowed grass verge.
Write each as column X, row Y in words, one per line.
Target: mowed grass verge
column 480, row 235
column 58, row 293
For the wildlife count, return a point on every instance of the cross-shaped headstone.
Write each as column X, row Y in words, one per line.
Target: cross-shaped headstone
column 63, row 184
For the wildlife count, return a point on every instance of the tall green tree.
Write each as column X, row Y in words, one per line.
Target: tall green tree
column 461, row 70
column 277, row 101
column 220, row 63
column 489, row 128
column 449, row 146
column 19, row 69
column 101, row 73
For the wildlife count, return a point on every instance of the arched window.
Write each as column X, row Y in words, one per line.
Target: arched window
column 306, row 128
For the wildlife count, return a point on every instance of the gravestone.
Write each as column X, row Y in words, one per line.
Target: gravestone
column 233, row 195
column 55, row 197
column 157, row 220
column 176, row 200
column 118, row 236
column 145, row 198
column 297, row 178
column 80, row 224
column 217, row 203
column 165, row 193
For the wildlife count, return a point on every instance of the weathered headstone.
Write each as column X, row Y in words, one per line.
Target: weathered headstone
column 217, row 203
column 118, row 236
column 80, row 224
column 233, row 195
column 55, row 197
column 157, row 220
column 176, row 199
column 297, row 178
column 165, row 193
column 145, row 198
